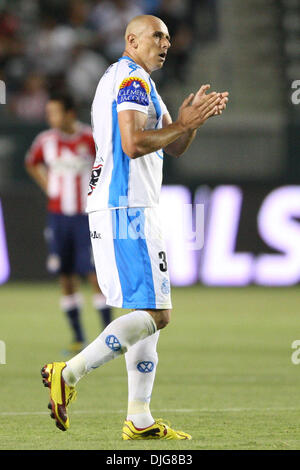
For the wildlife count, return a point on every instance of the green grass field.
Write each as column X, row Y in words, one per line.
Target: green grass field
column 225, row 373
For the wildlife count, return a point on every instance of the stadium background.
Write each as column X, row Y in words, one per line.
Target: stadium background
column 244, row 165
column 252, row 50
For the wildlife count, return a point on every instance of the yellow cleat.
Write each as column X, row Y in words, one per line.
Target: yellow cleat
column 61, row 395
column 158, row 430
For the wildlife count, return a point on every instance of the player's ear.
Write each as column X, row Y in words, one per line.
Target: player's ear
column 132, row 40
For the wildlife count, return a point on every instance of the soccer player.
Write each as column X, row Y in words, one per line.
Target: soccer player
column 131, row 126
column 60, row 161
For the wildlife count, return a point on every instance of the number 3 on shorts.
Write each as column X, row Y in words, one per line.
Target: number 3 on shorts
column 163, row 266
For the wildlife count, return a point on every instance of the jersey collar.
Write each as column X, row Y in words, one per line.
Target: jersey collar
column 127, row 58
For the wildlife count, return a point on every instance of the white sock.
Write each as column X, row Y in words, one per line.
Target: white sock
column 68, row 302
column 117, row 337
column 99, row 301
column 141, row 362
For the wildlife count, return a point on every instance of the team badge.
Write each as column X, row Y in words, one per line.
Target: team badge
column 113, row 343
column 165, row 286
column 134, row 90
column 96, row 170
column 145, row 367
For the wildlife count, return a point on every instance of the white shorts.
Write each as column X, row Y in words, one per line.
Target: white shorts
column 130, row 258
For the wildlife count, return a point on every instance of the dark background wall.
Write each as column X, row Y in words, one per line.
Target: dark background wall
column 250, row 48
column 24, row 212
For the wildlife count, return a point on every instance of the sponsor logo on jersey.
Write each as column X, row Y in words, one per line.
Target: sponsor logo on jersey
column 134, row 90
column 133, row 67
column 96, row 170
column 95, row 234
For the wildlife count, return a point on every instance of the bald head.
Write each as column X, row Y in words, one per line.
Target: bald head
column 140, row 23
column 147, row 41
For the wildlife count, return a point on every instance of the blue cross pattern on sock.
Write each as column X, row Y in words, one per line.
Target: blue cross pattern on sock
column 145, row 366
column 113, row 343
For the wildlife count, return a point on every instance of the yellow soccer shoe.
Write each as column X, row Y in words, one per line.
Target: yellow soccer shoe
column 61, row 395
column 158, row 430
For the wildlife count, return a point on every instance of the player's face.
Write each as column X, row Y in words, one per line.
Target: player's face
column 153, row 45
column 57, row 116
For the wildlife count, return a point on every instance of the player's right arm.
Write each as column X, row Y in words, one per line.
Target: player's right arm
column 35, row 166
column 39, row 174
column 136, row 141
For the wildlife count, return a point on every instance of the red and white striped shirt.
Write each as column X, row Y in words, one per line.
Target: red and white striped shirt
column 69, row 160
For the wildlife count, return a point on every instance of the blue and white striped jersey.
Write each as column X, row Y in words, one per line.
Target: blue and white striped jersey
column 117, row 180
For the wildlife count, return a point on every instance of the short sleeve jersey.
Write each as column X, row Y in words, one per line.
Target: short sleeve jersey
column 69, row 160
column 117, row 180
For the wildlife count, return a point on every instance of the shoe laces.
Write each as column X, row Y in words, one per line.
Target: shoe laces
column 71, row 397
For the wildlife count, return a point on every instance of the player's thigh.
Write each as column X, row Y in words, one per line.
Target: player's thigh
column 159, row 260
column 130, row 258
column 57, row 234
column 141, row 259
column 102, row 240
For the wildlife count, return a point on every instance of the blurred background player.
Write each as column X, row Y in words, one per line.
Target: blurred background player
column 60, row 162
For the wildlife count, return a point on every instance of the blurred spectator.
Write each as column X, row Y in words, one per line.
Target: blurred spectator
column 150, row 7
column 16, row 66
column 50, row 46
column 175, row 14
column 9, row 24
column 78, row 19
column 8, row 28
column 203, row 18
column 57, row 9
column 84, row 73
column 30, row 103
column 109, row 20
column 69, row 44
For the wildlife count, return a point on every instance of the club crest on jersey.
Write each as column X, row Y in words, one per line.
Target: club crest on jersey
column 96, row 170
column 134, row 90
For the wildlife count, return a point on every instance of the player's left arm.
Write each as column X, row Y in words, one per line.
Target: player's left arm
column 179, row 146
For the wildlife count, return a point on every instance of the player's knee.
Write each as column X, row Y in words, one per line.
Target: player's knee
column 163, row 319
